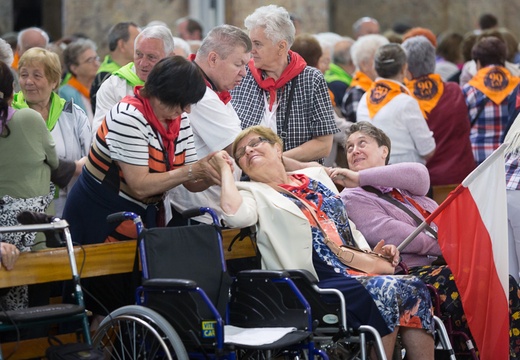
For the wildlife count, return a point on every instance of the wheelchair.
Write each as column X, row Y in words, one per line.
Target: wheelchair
column 14, row 320
column 189, row 307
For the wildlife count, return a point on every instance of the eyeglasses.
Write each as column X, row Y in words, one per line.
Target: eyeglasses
column 252, row 144
column 92, row 60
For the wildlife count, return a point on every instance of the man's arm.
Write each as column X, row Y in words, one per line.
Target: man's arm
column 314, row 149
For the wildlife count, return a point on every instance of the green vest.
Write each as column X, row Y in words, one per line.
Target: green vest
column 336, row 73
column 108, row 65
column 126, row 73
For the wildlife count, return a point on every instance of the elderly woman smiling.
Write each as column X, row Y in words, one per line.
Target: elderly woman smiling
column 281, row 92
column 39, row 72
column 289, row 238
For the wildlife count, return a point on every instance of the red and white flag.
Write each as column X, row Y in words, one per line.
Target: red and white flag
column 472, row 232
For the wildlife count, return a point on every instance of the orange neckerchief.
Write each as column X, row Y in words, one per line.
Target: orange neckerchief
column 380, row 93
column 427, row 90
column 496, row 82
column 79, row 86
column 16, row 59
column 362, row 80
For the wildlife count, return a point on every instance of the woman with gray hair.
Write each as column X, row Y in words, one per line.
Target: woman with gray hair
column 82, row 62
column 281, row 92
column 362, row 52
column 444, row 107
column 389, row 105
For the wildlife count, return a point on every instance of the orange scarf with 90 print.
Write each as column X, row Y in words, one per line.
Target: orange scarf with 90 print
column 380, row 94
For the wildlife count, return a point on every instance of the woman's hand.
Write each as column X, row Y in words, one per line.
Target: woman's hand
column 344, row 177
column 9, row 255
column 205, row 170
column 221, row 161
column 389, row 251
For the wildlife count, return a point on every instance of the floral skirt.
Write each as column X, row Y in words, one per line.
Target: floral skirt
column 17, row 297
column 442, row 279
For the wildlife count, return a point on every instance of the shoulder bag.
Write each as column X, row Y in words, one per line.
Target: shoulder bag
column 361, row 260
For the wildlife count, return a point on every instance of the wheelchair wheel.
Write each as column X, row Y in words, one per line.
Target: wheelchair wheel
column 137, row 332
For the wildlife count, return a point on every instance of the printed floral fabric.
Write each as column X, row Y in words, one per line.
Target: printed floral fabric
column 402, row 300
column 17, row 297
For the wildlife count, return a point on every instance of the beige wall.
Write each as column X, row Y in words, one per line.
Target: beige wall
column 439, row 15
column 94, row 17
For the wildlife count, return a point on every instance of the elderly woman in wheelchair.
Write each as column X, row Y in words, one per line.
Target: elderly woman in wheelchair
column 289, row 237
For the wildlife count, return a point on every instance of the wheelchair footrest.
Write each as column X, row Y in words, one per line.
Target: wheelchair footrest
column 38, row 313
column 271, row 337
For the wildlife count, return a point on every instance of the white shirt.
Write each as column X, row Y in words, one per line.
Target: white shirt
column 402, row 120
column 109, row 93
column 215, row 125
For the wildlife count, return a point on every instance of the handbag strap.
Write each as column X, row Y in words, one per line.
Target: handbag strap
column 401, row 206
column 314, row 215
column 285, row 125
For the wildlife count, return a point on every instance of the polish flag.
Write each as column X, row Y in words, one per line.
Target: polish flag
column 472, row 232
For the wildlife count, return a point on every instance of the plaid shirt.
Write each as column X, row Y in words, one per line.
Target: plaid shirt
column 350, row 102
column 512, row 161
column 488, row 130
column 311, row 113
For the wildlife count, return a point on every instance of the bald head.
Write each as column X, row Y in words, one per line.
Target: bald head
column 32, row 37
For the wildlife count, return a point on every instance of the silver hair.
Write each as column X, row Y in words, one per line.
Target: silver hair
column 357, row 25
column 158, row 32
column 34, row 28
column 341, row 54
column 181, row 44
column 223, row 40
column 420, row 54
column 74, row 50
column 365, row 48
column 275, row 20
column 6, row 53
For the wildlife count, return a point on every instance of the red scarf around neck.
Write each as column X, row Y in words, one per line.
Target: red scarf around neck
column 224, row 95
column 294, row 68
column 169, row 135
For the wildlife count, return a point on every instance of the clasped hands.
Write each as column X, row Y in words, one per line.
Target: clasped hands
column 211, row 166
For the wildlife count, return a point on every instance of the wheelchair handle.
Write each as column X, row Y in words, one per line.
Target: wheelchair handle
column 121, row 216
column 126, row 215
column 193, row 212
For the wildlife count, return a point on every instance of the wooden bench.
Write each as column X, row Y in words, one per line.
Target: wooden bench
column 101, row 259
column 441, row 192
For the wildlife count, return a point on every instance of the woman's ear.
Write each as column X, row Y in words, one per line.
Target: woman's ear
column 282, row 47
column 384, row 151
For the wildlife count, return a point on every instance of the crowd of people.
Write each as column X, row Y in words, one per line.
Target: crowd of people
column 261, row 124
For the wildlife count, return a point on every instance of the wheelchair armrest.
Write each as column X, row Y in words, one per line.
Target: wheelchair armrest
column 262, row 274
column 306, row 275
column 169, row 283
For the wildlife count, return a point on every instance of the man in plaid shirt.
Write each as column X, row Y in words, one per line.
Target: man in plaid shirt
column 487, row 95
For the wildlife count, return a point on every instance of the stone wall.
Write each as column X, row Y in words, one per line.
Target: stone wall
column 440, row 16
column 94, row 17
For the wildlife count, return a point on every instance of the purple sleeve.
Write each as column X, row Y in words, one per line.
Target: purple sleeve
column 412, row 177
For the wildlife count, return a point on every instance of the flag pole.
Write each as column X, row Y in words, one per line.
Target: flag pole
column 451, row 197
column 412, row 236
